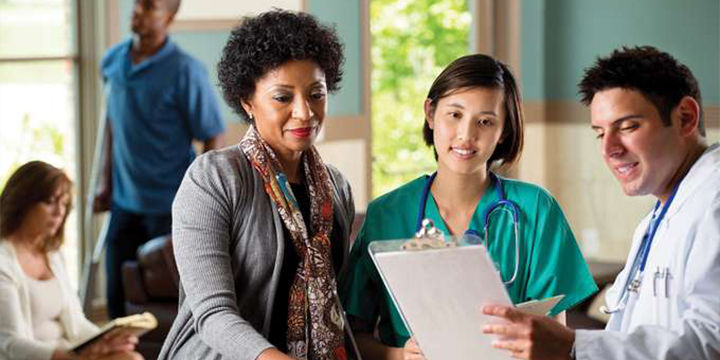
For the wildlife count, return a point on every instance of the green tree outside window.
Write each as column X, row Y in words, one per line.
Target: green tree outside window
column 412, row 41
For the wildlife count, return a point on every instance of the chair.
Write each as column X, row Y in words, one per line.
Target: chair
column 151, row 284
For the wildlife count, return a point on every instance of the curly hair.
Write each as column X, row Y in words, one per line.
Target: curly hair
column 657, row 75
column 265, row 42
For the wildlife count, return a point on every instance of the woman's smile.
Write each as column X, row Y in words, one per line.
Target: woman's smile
column 303, row 132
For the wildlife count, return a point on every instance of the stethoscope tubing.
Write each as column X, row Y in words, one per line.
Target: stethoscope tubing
column 638, row 264
column 503, row 201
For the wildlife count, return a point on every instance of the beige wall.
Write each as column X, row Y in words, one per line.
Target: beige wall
column 193, row 10
column 562, row 154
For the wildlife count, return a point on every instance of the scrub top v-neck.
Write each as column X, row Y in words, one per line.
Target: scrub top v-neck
column 550, row 260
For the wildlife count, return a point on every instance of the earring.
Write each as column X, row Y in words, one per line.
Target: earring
column 250, row 116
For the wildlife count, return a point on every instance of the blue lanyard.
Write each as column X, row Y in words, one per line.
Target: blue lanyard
column 654, row 224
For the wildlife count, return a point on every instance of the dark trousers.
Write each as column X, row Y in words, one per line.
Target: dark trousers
column 127, row 231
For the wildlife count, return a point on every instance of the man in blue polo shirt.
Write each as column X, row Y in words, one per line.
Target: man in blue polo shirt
column 159, row 101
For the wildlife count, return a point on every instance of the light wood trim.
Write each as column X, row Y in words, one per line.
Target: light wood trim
column 555, row 112
column 507, row 34
column 712, row 117
column 204, row 25
column 81, row 179
column 574, row 112
column 534, row 112
column 38, row 59
column 367, row 93
column 366, row 43
column 345, row 128
column 90, row 45
column 112, row 22
column 484, row 26
column 335, row 128
column 567, row 112
column 497, row 30
column 215, row 24
column 234, row 131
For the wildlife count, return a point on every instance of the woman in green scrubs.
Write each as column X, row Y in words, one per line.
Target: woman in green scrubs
column 473, row 120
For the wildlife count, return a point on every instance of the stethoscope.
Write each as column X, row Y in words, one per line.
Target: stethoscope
column 503, row 201
column 634, row 278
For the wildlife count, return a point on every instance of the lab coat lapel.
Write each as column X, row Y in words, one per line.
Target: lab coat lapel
column 708, row 163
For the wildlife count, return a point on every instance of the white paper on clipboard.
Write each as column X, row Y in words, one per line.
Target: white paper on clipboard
column 540, row 307
column 439, row 293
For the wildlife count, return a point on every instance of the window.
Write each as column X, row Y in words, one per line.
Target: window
column 412, row 41
column 38, row 95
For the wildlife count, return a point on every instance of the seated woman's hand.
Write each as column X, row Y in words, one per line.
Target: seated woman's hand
column 412, row 351
column 110, row 343
column 122, row 341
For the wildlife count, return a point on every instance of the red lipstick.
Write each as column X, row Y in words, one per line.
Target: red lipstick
column 301, row 132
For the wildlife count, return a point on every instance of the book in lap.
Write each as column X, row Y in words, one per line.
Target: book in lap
column 137, row 325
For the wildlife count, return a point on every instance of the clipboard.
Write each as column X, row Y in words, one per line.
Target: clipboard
column 438, row 285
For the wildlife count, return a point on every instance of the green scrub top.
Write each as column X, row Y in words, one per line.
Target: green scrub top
column 550, row 261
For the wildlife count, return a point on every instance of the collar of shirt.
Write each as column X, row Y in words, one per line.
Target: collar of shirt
column 132, row 69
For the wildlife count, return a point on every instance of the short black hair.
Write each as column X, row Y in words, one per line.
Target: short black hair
column 478, row 70
column 265, row 42
column 657, row 75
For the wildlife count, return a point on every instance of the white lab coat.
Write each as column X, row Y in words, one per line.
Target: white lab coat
column 685, row 324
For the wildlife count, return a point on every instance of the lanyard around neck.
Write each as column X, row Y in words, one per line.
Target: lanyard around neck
column 650, row 233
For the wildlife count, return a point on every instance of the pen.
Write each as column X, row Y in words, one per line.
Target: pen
column 656, row 275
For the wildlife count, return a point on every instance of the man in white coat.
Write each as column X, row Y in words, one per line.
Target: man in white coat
column 646, row 109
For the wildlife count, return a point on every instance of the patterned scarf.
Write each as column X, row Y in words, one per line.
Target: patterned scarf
column 315, row 327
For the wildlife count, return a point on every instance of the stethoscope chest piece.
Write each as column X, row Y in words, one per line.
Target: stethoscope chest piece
column 429, row 237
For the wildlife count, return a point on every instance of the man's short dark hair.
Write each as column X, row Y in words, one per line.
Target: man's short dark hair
column 657, row 75
column 267, row 41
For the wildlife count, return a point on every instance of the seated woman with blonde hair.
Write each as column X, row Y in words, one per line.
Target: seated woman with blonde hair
column 40, row 315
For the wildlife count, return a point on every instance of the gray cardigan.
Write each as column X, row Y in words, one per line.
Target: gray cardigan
column 229, row 245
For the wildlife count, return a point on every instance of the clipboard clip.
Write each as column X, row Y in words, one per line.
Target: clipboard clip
column 428, row 237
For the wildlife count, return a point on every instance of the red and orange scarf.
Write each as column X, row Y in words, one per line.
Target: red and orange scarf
column 315, row 327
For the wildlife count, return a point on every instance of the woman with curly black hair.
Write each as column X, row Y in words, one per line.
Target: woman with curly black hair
column 261, row 228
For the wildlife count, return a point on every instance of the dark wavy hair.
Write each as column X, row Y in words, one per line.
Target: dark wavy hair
column 483, row 71
column 30, row 184
column 265, row 42
column 657, row 75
